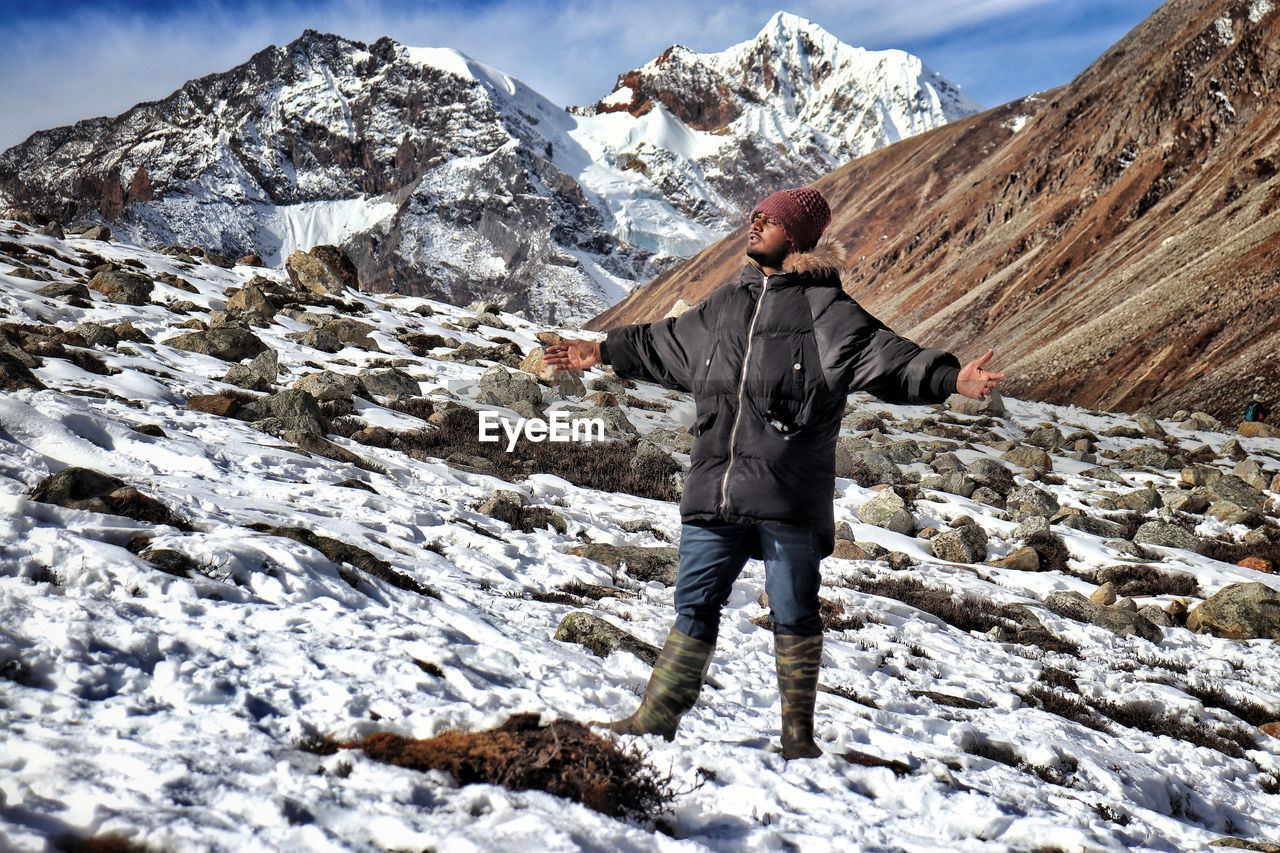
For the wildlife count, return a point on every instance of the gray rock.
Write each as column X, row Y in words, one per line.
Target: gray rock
column 1031, row 524
column 861, row 420
column 1106, row 475
column 1200, row 475
column 1095, row 526
column 123, row 287
column 1156, row 615
column 967, row 544
column 952, row 482
column 1147, row 455
column 1149, row 425
column 1047, row 438
column 1167, row 535
column 946, row 461
column 1182, row 500
column 229, row 343
column 616, row 422
column 391, row 382
column 1141, row 500
column 258, row 375
column 1202, row 421
column 904, row 452
column 1252, row 473
column 644, row 564
column 1231, row 488
column 1230, row 512
column 889, row 511
column 988, row 496
column 318, row 339
column 98, row 335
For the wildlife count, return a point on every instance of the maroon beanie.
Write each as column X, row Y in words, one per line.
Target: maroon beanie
column 803, row 212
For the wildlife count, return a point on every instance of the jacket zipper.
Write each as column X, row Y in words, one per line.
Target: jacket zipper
column 742, row 386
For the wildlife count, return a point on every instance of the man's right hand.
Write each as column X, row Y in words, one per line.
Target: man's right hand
column 573, row 354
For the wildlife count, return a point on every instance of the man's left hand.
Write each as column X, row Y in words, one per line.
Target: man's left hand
column 975, row 381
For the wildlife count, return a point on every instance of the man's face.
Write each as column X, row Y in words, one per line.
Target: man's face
column 767, row 241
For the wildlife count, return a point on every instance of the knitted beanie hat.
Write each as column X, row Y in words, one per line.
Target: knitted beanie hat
column 803, row 212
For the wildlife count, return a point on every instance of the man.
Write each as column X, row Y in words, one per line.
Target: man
column 769, row 360
column 1256, row 410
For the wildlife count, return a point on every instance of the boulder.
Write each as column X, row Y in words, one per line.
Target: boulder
column 953, row 482
column 1104, row 595
column 1231, row 488
column 1202, row 421
column 296, row 410
column 502, row 387
column 1095, row 526
column 1029, row 457
column 889, row 511
column 97, row 335
column 867, row 468
column 251, row 303
column 123, row 287
column 323, row 340
column 1239, row 611
column 990, row 473
column 566, row 383
column 324, row 270
column 229, row 343
column 250, row 260
column 1259, row 429
column 1252, row 473
column 15, row 375
column 1149, row 425
column 1023, row 559
column 67, row 291
column 1047, row 438
column 861, row 420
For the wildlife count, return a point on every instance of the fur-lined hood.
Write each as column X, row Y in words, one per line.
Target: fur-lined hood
column 827, row 259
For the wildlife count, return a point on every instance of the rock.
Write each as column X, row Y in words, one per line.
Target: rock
column 352, row 332
column 1104, row 595
column 1199, row 475
column 124, row 288
column 97, row 232
column 229, row 343
column 296, row 410
column 1156, row 616
column 390, row 382
column 1149, row 425
column 1023, row 559
column 222, row 405
column 329, row 385
column 641, row 563
column 1258, row 429
column 566, row 383
column 992, row 405
column 1146, row 455
column 1229, row 512
column 1123, row 431
column 67, row 291
column 54, row 230
column 324, row 270
column 1167, row 535
column 1105, row 474
column 990, row 473
column 654, row 466
column 868, row 468
column 1030, row 525
column 1051, row 549
column 988, row 496
column 1125, row 623
column 258, row 375
column 1047, row 438
column 904, row 452
column 1275, row 484
column 1029, row 457
column 616, row 423
column 602, row 638
column 1258, row 564
column 1246, row 844
column 502, row 387
column 847, row 549
column 15, row 376
column 86, row 489
column 967, row 544
column 889, row 511
column 129, row 332
column 250, row 260
column 1233, row 451
column 1239, row 611
column 1029, row 500
column 98, row 335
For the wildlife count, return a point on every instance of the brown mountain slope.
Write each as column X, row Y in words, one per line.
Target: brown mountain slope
column 1120, row 250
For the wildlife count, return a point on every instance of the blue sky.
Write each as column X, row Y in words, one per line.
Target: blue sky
column 64, row 61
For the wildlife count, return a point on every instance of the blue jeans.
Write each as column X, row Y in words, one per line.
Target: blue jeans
column 712, row 554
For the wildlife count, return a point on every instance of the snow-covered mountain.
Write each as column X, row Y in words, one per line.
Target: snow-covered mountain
column 177, row 644
column 714, row 132
column 443, row 176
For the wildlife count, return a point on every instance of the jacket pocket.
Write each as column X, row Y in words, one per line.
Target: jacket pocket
column 703, row 423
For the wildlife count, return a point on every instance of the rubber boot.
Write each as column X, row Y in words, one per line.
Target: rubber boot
column 798, row 659
column 673, row 687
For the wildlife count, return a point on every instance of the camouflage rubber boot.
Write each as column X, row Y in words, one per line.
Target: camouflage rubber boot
column 673, row 687
column 798, row 660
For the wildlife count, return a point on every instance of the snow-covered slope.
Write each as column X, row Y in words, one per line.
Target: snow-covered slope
column 169, row 710
column 445, row 177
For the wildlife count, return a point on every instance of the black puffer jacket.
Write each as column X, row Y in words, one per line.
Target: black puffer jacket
column 766, row 435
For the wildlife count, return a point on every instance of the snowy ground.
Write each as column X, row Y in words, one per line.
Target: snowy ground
column 170, row 710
